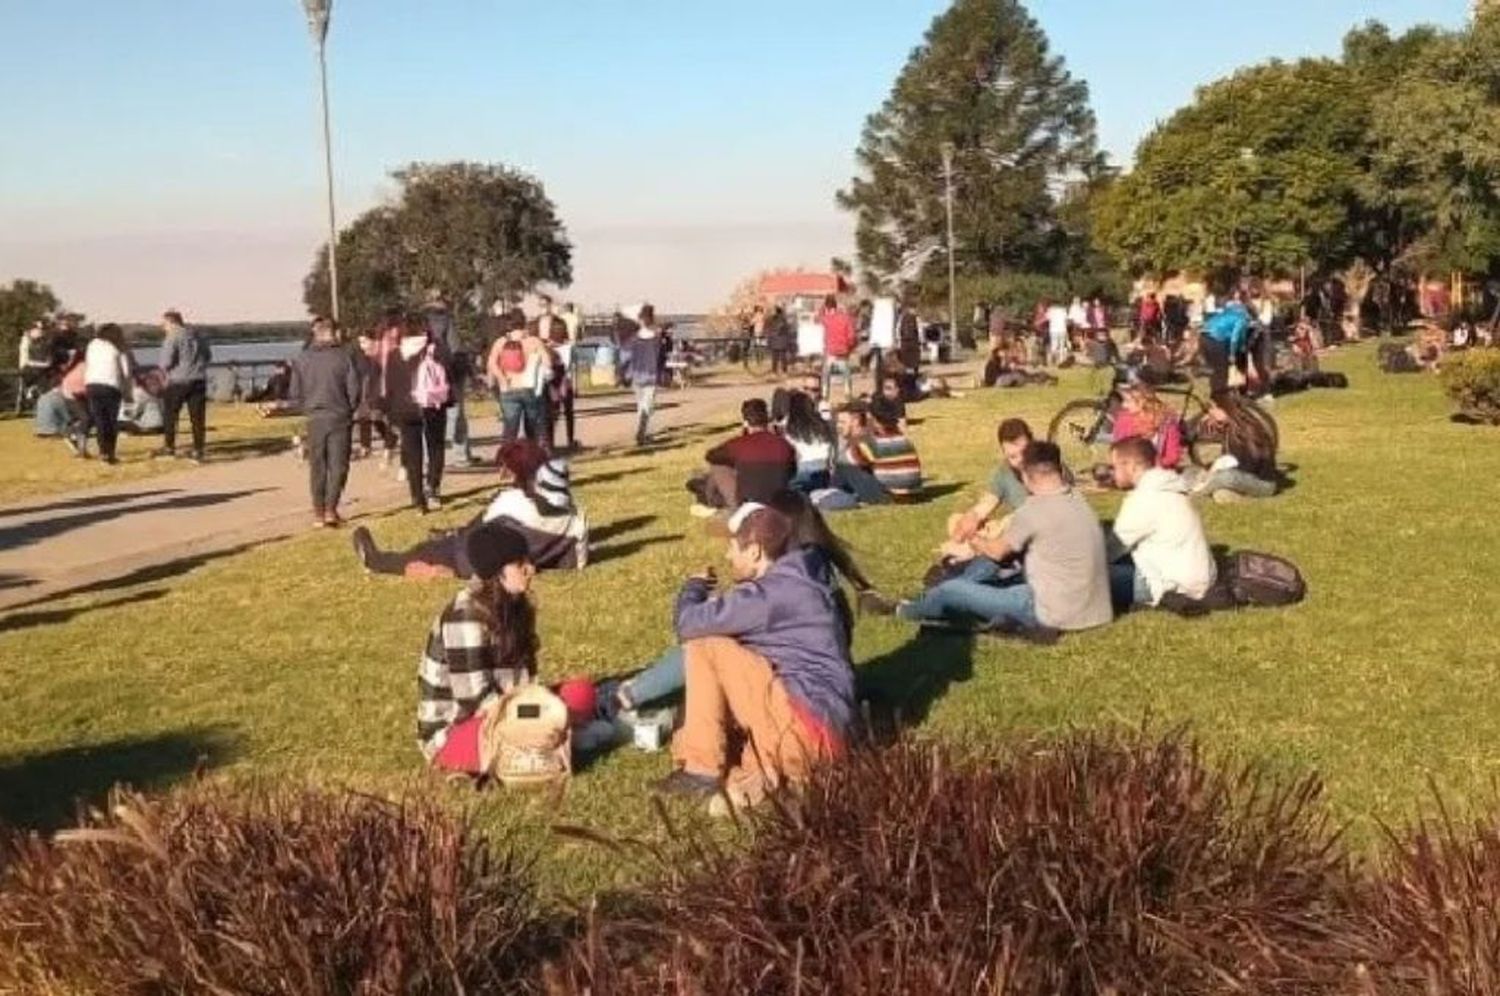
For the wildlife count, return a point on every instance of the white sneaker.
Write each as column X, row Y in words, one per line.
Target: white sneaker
column 401, row 475
column 701, row 511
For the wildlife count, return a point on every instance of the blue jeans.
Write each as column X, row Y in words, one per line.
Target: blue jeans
column 664, row 677
column 1241, row 482
column 520, row 410
column 458, row 430
column 860, row 483
column 645, row 404
column 962, row 599
column 843, row 366
column 1127, row 587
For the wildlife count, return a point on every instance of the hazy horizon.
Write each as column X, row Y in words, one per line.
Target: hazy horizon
column 158, row 159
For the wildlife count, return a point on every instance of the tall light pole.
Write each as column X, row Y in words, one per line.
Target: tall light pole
column 318, row 12
column 952, row 271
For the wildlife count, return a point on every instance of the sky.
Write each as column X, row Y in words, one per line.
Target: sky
column 165, row 153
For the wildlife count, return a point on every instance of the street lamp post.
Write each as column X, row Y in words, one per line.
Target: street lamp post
column 318, row 12
column 952, row 273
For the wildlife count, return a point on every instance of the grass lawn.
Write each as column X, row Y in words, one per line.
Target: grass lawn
column 32, row 466
column 287, row 661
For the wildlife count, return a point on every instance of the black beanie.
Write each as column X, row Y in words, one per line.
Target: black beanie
column 491, row 546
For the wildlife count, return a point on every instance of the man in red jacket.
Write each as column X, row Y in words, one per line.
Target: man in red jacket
column 754, row 466
column 839, row 341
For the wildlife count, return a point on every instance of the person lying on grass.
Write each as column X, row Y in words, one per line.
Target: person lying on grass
column 1248, row 467
column 752, row 466
column 828, row 561
column 537, row 503
column 1159, row 554
column 1064, row 584
column 768, row 658
column 482, row 644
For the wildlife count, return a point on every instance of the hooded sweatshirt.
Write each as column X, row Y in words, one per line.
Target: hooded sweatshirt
column 1161, row 530
column 789, row 617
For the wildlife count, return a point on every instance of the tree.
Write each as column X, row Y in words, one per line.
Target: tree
column 21, row 304
column 1261, row 173
column 475, row 232
column 1020, row 126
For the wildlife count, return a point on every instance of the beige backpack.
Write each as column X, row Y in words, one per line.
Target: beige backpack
column 525, row 739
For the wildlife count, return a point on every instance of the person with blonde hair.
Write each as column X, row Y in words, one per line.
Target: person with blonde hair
column 1143, row 414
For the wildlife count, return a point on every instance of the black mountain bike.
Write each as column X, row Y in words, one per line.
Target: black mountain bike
column 1084, row 429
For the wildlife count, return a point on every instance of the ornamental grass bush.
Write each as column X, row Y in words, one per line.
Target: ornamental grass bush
column 219, row 890
column 1098, row 863
column 1472, row 380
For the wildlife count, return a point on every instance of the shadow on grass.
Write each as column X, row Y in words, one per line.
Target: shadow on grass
column 620, row 527
column 51, row 617
column 238, row 449
column 8, row 581
column 901, row 686
column 622, row 550
column 44, row 791
column 934, row 492
column 610, row 477
column 144, row 575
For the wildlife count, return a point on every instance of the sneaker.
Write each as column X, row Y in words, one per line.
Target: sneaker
column 681, row 782
column 71, row 444
column 698, row 510
column 195, row 457
column 872, row 602
column 401, row 475
column 1041, row 636
column 747, row 793
column 432, row 503
column 112, row 461
column 332, row 520
column 364, row 546
column 1226, row 497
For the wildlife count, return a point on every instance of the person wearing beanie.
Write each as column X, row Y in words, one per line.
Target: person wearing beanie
column 537, row 503
column 483, row 644
column 768, row 657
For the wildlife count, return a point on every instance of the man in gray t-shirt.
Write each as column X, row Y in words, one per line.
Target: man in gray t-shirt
column 1066, row 585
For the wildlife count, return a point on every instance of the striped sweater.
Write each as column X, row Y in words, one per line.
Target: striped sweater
column 893, row 460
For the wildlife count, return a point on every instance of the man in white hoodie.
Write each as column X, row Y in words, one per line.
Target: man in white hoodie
column 1158, row 530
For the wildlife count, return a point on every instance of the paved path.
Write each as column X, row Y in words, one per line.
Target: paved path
column 162, row 526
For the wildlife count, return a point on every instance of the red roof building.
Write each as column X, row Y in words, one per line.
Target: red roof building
column 797, row 284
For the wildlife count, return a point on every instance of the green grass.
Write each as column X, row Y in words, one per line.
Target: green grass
column 286, row 661
column 32, row 466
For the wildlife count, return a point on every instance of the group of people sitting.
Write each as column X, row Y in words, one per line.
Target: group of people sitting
column 861, row 456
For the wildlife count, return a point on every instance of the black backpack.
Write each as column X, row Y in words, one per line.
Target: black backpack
column 1260, row 579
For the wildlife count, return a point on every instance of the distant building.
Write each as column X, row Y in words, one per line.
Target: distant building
column 800, row 292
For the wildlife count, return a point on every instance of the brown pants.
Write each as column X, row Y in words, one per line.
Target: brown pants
column 732, row 688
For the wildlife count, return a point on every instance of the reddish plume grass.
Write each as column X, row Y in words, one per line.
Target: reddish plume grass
column 219, row 890
column 1096, row 863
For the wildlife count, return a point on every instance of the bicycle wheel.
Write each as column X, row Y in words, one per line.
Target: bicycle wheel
column 1082, row 431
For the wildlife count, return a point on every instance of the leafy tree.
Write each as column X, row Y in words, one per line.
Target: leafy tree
column 21, row 304
column 475, row 232
column 984, row 81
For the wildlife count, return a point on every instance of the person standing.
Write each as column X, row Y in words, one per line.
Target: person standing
column 443, row 329
column 781, row 340
column 327, row 385
column 415, row 401
column 35, row 359
column 645, row 370
column 517, row 365
column 557, row 402
column 1057, row 333
column 839, row 340
column 185, row 356
column 108, row 372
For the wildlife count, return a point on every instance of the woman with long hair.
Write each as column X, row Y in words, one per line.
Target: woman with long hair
column 1144, row 414
column 813, row 440
column 810, row 532
column 483, row 644
column 421, row 423
column 109, row 369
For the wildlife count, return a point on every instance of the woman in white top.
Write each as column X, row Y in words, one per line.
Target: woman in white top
column 812, row 440
column 107, row 371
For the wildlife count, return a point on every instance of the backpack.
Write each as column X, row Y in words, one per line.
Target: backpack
column 430, row 387
column 512, row 357
column 1260, row 579
column 525, row 739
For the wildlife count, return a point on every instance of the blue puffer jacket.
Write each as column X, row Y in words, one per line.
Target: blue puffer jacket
column 789, row 617
column 1230, row 326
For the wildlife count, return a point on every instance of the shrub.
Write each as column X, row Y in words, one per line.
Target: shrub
column 1098, row 863
column 1472, row 380
column 1435, row 908
column 215, row 890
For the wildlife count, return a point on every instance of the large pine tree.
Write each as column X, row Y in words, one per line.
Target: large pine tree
column 1020, row 124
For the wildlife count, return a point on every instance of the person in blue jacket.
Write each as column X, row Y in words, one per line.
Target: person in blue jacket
column 769, row 657
column 1225, row 340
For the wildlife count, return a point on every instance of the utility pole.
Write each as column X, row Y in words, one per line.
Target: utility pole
column 318, row 12
column 952, row 270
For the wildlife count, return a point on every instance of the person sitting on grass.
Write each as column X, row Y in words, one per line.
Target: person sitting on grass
column 829, row 560
column 1144, row 414
column 483, row 644
column 852, row 484
column 752, row 466
column 1065, row 580
column 1248, row 467
column 890, row 454
column 1159, row 554
column 767, row 657
column 537, row 504
column 812, row 440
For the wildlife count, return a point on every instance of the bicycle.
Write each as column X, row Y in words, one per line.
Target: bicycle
column 1083, row 429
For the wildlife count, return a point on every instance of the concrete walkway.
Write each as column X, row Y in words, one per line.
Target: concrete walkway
column 165, row 525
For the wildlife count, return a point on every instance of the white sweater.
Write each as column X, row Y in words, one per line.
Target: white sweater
column 106, row 365
column 1160, row 527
